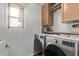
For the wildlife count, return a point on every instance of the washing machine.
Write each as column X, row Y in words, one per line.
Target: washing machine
column 61, row 46
column 39, row 45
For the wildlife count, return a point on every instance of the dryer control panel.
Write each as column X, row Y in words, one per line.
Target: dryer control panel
column 67, row 43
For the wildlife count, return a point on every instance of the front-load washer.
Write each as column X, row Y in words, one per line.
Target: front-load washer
column 39, row 42
column 58, row 46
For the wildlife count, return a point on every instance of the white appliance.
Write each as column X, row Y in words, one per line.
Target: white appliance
column 61, row 46
column 39, row 42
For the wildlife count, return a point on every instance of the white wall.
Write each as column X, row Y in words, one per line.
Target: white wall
column 58, row 25
column 21, row 41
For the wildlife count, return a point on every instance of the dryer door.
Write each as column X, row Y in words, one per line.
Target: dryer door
column 52, row 50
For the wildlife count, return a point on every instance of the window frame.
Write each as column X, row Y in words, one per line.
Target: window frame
column 21, row 17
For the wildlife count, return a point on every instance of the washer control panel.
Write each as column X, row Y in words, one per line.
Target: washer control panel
column 70, row 44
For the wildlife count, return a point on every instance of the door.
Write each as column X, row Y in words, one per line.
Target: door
column 52, row 50
column 3, row 48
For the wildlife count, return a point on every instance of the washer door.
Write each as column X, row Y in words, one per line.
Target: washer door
column 52, row 50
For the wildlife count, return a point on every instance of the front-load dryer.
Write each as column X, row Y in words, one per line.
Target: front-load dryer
column 39, row 42
column 58, row 46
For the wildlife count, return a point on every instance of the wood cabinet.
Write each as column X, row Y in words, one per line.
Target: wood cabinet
column 47, row 12
column 70, row 12
column 47, row 17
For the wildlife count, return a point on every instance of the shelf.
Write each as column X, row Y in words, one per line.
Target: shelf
column 55, row 7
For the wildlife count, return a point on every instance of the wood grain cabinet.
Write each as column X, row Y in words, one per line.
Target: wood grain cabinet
column 47, row 17
column 70, row 12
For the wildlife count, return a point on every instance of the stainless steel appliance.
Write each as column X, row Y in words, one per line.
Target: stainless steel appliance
column 39, row 45
column 58, row 46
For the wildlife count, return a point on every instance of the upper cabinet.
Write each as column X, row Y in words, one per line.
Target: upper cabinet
column 46, row 15
column 70, row 12
column 47, row 12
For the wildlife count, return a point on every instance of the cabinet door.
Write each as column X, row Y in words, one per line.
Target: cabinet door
column 70, row 12
column 45, row 14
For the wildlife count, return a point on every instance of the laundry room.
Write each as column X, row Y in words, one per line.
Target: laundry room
column 39, row 29
column 60, row 33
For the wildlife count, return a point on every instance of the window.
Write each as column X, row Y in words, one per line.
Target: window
column 15, row 16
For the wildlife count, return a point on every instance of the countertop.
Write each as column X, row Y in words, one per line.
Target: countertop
column 64, row 37
column 58, row 33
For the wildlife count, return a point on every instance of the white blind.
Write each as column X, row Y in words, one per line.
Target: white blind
column 16, row 15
